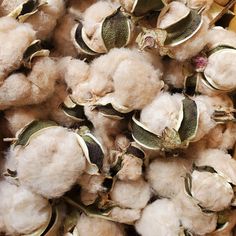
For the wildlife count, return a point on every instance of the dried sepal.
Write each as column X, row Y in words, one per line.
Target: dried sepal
column 71, row 220
column 141, row 7
column 26, row 9
column 191, row 84
column 34, row 50
column 73, row 110
column 116, row 30
column 223, row 116
column 92, row 150
column 31, row 130
column 136, row 151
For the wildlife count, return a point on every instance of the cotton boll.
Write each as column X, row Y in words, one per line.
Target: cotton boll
column 220, row 161
column 212, row 191
column 136, row 83
column 73, row 71
column 131, row 168
column 131, row 194
column 12, row 50
column 91, row 183
column 17, row 118
column 166, row 176
column 61, row 36
column 19, row 89
column 126, row 216
column 21, row 211
column 220, row 36
column 159, row 218
column 91, row 226
column 51, row 163
column 192, row 217
column 168, row 115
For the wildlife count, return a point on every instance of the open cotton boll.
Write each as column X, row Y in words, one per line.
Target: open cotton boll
column 126, row 216
column 211, row 190
column 61, row 37
column 12, row 53
column 21, row 211
column 131, row 168
column 196, row 42
column 166, row 176
column 159, row 218
column 131, row 194
column 91, row 226
column 220, row 161
column 18, row 118
column 168, row 115
column 136, row 83
column 19, row 89
column 192, row 217
column 73, row 71
column 51, row 163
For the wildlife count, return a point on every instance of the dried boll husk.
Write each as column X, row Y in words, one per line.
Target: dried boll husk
column 12, row 53
column 44, row 19
column 222, row 163
column 63, row 45
column 166, row 176
column 159, row 218
column 196, row 38
column 127, row 79
column 22, row 211
column 19, row 89
column 191, row 215
column 51, row 162
column 131, row 194
column 90, row 226
column 211, row 190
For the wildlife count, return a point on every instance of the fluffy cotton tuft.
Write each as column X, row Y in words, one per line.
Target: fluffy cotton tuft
column 21, row 211
column 168, row 115
column 91, row 226
column 131, row 194
column 166, row 176
column 212, row 191
column 51, row 163
column 11, row 53
column 159, row 218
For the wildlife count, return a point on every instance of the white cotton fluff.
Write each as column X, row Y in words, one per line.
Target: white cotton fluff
column 51, row 163
column 127, row 4
column 168, row 115
column 130, row 75
column 159, row 218
column 91, row 226
column 61, row 37
column 126, row 216
column 220, row 161
column 11, row 53
column 200, row 4
column 131, row 168
column 166, row 176
column 192, row 217
column 131, row 194
column 21, row 211
column 211, row 190
column 19, row 89
column 197, row 42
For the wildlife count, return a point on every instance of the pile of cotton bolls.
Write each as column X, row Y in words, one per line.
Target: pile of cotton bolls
column 117, row 118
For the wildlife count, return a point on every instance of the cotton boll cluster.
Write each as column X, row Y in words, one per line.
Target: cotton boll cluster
column 21, row 211
column 160, row 217
column 11, row 54
column 19, row 89
column 90, row 226
column 61, row 162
